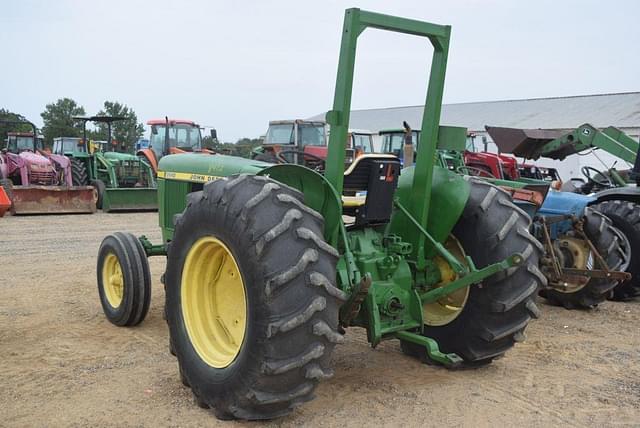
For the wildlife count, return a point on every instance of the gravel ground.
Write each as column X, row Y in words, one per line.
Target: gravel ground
column 63, row 364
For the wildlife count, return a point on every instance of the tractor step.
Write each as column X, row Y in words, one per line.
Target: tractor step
column 53, row 200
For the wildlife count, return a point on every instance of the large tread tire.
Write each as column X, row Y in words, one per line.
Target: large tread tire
column 136, row 296
column 625, row 216
column 292, row 302
column 100, row 189
column 79, row 174
column 609, row 242
column 498, row 310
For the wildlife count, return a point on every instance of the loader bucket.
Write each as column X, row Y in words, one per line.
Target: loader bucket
column 521, row 142
column 53, row 200
column 130, row 199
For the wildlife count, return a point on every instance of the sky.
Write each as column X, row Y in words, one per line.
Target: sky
column 235, row 65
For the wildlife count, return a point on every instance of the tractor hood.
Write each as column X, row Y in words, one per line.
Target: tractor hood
column 522, row 142
column 117, row 156
column 199, row 167
column 35, row 159
column 565, row 203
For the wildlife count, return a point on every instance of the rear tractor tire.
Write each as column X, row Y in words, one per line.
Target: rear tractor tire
column 625, row 216
column 611, row 244
column 79, row 173
column 251, row 300
column 124, row 280
column 490, row 317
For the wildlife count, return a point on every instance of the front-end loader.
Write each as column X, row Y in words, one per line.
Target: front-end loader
column 613, row 193
column 263, row 274
column 123, row 181
column 38, row 182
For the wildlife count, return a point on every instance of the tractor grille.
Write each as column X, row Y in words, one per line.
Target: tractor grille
column 130, row 174
column 42, row 177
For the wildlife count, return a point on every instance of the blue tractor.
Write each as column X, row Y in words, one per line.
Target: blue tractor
column 585, row 257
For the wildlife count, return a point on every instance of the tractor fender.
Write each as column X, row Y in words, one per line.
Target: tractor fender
column 449, row 195
column 150, row 157
column 319, row 194
column 629, row 194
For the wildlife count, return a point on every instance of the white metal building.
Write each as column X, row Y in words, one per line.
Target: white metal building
column 621, row 110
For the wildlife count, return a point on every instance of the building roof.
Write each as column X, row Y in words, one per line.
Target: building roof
column 621, row 110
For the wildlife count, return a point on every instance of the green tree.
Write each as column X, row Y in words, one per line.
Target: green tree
column 58, row 119
column 125, row 131
column 4, row 128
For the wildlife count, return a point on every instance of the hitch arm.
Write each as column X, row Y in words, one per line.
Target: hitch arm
column 473, row 277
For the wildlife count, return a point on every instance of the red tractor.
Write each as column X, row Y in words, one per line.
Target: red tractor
column 37, row 181
column 172, row 136
column 304, row 142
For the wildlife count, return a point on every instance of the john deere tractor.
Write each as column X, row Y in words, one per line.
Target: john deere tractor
column 263, row 274
column 122, row 180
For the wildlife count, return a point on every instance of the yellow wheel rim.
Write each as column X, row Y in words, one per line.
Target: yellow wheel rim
column 448, row 308
column 112, row 280
column 214, row 305
column 573, row 253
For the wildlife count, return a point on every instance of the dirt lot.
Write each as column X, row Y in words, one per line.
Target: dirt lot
column 63, row 364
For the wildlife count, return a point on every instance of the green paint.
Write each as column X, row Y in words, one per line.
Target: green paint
column 130, row 199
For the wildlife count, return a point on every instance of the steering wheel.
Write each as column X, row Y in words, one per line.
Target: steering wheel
column 477, row 172
column 282, row 159
column 586, row 171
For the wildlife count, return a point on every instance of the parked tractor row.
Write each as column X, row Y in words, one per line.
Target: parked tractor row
column 79, row 175
column 269, row 260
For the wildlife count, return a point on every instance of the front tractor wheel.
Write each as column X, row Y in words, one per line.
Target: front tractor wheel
column 251, row 301
column 483, row 321
column 124, row 280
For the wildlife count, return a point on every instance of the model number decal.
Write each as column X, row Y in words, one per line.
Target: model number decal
column 185, row 176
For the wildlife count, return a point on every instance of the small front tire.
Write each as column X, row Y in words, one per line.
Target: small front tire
column 124, row 280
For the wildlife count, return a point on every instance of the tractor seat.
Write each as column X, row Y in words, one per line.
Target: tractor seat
column 356, row 177
column 368, row 188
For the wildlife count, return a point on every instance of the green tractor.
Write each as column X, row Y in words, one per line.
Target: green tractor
column 264, row 273
column 123, row 181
